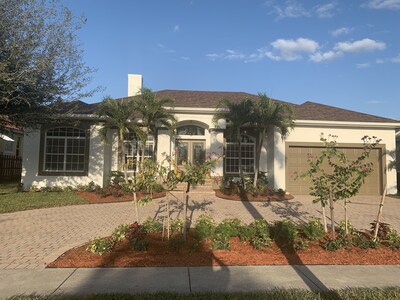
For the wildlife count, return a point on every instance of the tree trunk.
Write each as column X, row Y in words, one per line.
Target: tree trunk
column 332, row 213
column 135, row 202
column 378, row 218
column 324, row 216
column 346, row 219
column 155, row 137
column 186, row 201
column 258, row 157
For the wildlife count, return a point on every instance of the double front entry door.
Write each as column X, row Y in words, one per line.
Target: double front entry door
column 190, row 151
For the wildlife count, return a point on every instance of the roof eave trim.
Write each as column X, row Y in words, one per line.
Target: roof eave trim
column 343, row 124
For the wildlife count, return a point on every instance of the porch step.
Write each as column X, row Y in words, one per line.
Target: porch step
column 207, row 187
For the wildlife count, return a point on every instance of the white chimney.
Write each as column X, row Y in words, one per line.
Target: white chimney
column 135, row 84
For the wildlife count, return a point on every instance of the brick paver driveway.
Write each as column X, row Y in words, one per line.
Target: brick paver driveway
column 30, row 239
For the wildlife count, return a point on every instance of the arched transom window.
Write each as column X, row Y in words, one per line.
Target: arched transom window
column 190, row 130
column 248, row 145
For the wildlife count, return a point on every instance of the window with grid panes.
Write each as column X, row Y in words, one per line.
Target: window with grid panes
column 232, row 155
column 65, row 150
column 133, row 150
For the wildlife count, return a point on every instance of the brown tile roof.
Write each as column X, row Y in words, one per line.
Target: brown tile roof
column 315, row 111
column 208, row 99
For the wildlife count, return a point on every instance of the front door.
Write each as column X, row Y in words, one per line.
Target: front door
column 189, row 151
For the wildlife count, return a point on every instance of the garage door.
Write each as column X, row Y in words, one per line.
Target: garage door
column 296, row 164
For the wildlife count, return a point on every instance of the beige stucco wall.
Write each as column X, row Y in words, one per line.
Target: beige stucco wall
column 30, row 163
column 347, row 133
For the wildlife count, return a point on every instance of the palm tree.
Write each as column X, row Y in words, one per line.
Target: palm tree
column 117, row 115
column 238, row 115
column 269, row 114
column 154, row 113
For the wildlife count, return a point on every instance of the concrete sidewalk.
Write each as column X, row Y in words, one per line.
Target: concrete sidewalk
column 194, row 279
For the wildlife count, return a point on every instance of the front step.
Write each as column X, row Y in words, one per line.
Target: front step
column 207, row 187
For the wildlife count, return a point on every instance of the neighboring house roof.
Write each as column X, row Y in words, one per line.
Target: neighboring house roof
column 208, row 99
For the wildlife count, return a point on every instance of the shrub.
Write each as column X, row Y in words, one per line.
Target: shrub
column 138, row 244
column 176, row 243
column 383, row 230
column 285, row 234
column 313, row 230
column 176, row 225
column 151, row 225
column 100, row 245
column 220, row 242
column 246, row 233
column 204, row 227
column 121, row 232
column 261, row 236
column 229, row 227
column 363, row 241
column 393, row 239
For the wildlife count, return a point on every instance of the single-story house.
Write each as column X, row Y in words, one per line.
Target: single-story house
column 11, row 141
column 73, row 153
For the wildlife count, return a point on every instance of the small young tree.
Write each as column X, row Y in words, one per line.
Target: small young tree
column 341, row 178
column 192, row 173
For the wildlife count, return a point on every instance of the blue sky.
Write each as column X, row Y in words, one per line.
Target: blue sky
column 340, row 53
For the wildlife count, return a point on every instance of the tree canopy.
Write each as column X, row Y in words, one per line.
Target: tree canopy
column 41, row 61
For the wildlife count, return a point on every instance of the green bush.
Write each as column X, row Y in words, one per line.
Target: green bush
column 139, row 244
column 176, row 225
column 313, row 230
column 152, row 226
column 393, row 239
column 246, row 233
column 229, row 227
column 121, row 232
column 285, row 234
column 100, row 245
column 361, row 240
column 220, row 241
column 204, row 227
column 176, row 243
column 261, row 236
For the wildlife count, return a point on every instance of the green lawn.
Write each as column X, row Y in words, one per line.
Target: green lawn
column 349, row 294
column 11, row 200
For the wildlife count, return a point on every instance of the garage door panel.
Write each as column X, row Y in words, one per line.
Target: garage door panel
column 296, row 164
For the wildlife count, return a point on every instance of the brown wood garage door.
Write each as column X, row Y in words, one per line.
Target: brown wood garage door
column 296, row 164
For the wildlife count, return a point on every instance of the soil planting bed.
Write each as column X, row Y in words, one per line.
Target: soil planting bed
column 159, row 254
column 93, row 198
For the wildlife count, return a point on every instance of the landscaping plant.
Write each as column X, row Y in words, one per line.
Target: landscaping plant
column 335, row 177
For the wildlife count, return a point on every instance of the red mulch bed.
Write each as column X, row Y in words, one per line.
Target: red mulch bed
column 241, row 254
column 93, row 198
column 252, row 198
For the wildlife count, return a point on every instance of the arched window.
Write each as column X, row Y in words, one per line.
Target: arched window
column 65, row 150
column 190, row 130
column 248, row 146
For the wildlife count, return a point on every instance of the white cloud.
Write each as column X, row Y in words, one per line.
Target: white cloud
column 396, row 59
column 176, row 28
column 383, row 4
column 290, row 50
column 365, row 45
column 185, row 58
column 362, row 66
column 325, row 10
column 380, row 61
column 228, row 55
column 290, row 9
column 341, row 31
column 330, row 55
